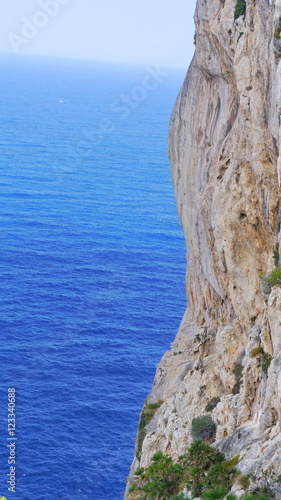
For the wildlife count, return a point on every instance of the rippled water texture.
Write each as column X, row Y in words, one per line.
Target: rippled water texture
column 92, row 268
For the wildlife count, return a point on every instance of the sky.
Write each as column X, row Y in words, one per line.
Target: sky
column 134, row 31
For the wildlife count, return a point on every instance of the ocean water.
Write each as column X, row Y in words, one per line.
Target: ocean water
column 92, row 268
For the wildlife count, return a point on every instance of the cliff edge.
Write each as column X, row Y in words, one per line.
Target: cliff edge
column 224, row 144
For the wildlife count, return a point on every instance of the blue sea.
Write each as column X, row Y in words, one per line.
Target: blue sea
column 92, row 267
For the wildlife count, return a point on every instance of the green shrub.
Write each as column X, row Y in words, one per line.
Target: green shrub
column 147, row 414
column 194, row 38
column 238, row 370
column 160, row 480
column 202, row 455
column 201, row 469
column 264, row 491
column 231, row 497
column 139, row 471
column 181, row 496
column 204, row 469
column 217, row 493
column 194, row 477
column 238, row 373
column 266, row 360
column 240, row 8
column 244, row 482
column 273, row 278
column 219, row 475
column 212, row 404
column 255, row 352
column 277, row 34
column 203, row 428
column 232, row 462
column 253, row 496
column 153, row 406
column 276, row 251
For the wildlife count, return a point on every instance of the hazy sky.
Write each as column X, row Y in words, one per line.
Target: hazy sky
column 138, row 31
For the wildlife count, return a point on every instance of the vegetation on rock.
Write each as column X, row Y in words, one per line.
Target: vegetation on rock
column 203, row 428
column 181, row 496
column 232, row 462
column 160, row 480
column 147, row 414
column 217, row 493
column 276, row 250
column 277, row 34
column 240, row 8
column 255, row 352
column 238, row 373
column 273, row 278
column 201, row 470
column 212, row 404
column 266, row 358
column 254, row 496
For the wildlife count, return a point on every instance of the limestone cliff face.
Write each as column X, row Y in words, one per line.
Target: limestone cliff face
column 224, row 151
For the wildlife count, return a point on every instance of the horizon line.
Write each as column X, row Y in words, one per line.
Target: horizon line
column 51, row 56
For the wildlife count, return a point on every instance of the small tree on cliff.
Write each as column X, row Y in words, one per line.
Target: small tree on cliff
column 240, row 8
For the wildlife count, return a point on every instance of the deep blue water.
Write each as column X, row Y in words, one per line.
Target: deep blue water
column 92, row 267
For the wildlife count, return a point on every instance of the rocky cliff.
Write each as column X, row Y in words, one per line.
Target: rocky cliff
column 224, row 146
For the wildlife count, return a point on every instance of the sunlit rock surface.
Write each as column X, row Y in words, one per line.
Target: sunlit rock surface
column 224, row 150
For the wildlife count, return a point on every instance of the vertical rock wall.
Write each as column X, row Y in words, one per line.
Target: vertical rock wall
column 224, row 152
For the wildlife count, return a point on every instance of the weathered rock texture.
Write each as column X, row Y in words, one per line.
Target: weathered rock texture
column 224, row 150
